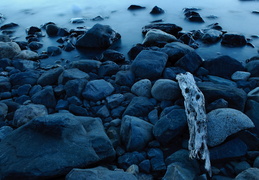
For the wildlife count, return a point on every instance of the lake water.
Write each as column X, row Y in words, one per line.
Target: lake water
column 233, row 16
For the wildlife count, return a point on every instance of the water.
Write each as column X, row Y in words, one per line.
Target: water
column 233, row 16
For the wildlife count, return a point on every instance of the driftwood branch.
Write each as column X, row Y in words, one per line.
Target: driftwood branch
column 197, row 121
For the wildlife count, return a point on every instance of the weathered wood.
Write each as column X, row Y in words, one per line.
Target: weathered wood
column 196, row 115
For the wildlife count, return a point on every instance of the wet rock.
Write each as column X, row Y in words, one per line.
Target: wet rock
column 251, row 173
column 142, row 88
column 192, row 15
column 135, row 7
column 253, row 67
column 54, row 51
column 170, row 126
column 224, row 122
column 139, row 107
column 99, row 36
column 68, row 46
column 5, row 84
column 175, row 51
column 77, row 20
column 5, row 131
column 112, row 55
column 240, row 76
column 165, row 89
column 157, row 10
column 23, row 90
column 135, row 133
column 108, row 68
column 87, row 65
column 52, row 30
column 28, row 77
column 211, row 36
column 9, row 50
column 155, row 35
column 99, row 173
column 233, row 40
column 223, row 66
column 25, row 65
column 190, row 62
column 33, row 30
column 129, row 158
column 8, row 26
column 252, row 112
column 75, row 87
column 35, row 45
column 26, row 113
column 125, row 78
column 149, row 64
column 96, row 90
column 70, row 74
column 50, row 77
column 254, row 94
column 72, row 134
column 166, row 27
column 45, row 97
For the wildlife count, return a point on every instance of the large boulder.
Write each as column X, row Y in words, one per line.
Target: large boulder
column 99, row 173
column 9, row 49
column 99, row 36
column 235, row 97
column 223, row 66
column 149, row 64
column 233, row 40
column 155, row 35
column 50, row 146
column 165, row 89
column 97, row 89
column 224, row 122
column 135, row 133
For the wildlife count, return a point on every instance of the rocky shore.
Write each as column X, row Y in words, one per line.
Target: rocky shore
column 118, row 118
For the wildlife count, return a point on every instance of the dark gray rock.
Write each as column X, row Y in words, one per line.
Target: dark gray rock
column 165, row 89
column 135, row 133
column 52, row 30
column 125, row 78
column 74, row 100
column 192, row 15
column 3, row 111
column 99, row 36
column 23, row 90
column 108, row 68
column 175, row 51
column 117, row 112
column 114, row 100
column 157, row 10
column 190, row 62
column 45, row 97
column 22, row 99
column 235, row 97
column 231, row 149
column 142, row 88
column 26, row 113
column 5, row 131
column 25, row 65
column 253, row 67
column 70, row 74
column 129, row 158
column 97, row 89
column 170, row 125
column 4, row 62
column 223, row 66
column 50, row 77
column 135, row 50
column 219, row 103
column 33, row 30
column 240, row 76
column 135, row 7
column 156, row 159
column 155, row 36
column 153, row 116
column 86, row 65
column 75, row 87
column 5, row 84
column 252, row 112
column 68, row 46
column 139, row 107
column 233, row 40
column 112, row 55
column 28, row 77
column 211, row 36
column 54, row 51
column 61, row 104
column 35, row 45
column 149, row 64
column 9, row 50
column 35, row 89
column 224, row 122
column 241, row 166
column 251, row 173
column 103, row 112
column 4, row 38
column 8, row 26
column 166, row 27
column 99, row 173
column 78, row 110
column 223, row 81
column 82, row 140
column 254, row 94
column 145, row 166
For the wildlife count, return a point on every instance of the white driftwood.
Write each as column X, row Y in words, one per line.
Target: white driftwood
column 197, row 121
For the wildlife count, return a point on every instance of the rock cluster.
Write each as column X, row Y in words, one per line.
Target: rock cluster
column 107, row 119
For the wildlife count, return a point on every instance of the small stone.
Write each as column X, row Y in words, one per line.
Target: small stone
column 52, row 30
column 142, row 88
column 157, row 10
column 241, row 166
column 53, row 51
column 9, row 50
column 240, row 76
column 125, row 78
column 114, row 100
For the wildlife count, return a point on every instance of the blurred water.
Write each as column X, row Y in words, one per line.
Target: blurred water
column 233, row 16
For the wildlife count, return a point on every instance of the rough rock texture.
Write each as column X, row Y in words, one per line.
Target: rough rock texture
column 149, row 64
column 135, row 133
column 224, row 122
column 69, row 142
column 99, row 173
column 26, row 113
column 165, row 89
column 155, row 35
column 99, row 36
column 9, row 49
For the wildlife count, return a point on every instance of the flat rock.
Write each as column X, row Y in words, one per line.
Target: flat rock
column 26, row 113
column 97, row 89
column 82, row 140
column 223, row 66
column 50, row 77
column 27, row 54
column 28, row 77
column 235, row 97
column 70, row 74
column 240, row 76
column 135, row 133
column 9, row 50
column 149, row 64
column 224, row 122
column 99, row 36
column 155, row 35
column 142, row 88
column 233, row 40
column 135, row 7
column 86, row 65
column 165, row 89
column 251, row 173
column 166, row 27
column 99, row 173
column 220, row 80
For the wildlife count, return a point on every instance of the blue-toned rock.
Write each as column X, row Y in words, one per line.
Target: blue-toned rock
column 5, row 84
column 211, row 36
column 114, row 100
column 96, row 90
column 252, row 112
column 156, row 159
column 3, row 111
column 233, row 40
column 149, row 64
column 45, row 96
column 54, row 51
column 142, row 88
column 75, row 87
column 125, row 78
column 251, row 173
column 157, row 10
column 70, row 74
column 9, row 50
column 108, row 68
column 50, row 77
column 5, row 131
column 28, row 77
column 112, row 55
column 129, row 158
column 253, row 67
column 190, row 62
column 27, row 54
column 87, row 65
